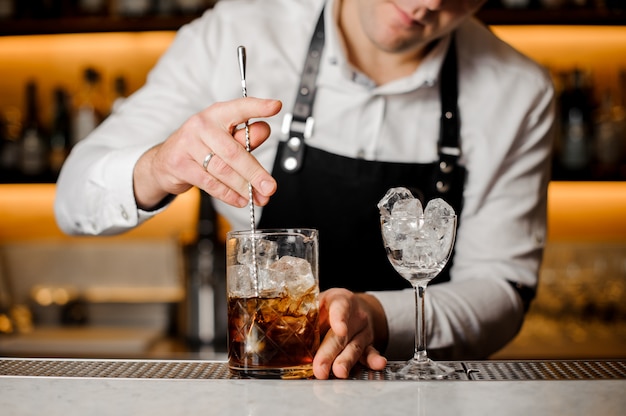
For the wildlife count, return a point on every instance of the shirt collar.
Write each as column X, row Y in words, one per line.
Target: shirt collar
column 335, row 67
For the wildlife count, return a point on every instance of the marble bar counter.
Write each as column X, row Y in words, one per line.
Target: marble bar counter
column 156, row 387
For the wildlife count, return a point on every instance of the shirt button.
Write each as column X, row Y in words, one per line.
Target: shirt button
column 124, row 213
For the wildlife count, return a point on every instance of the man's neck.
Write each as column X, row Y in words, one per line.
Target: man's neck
column 379, row 65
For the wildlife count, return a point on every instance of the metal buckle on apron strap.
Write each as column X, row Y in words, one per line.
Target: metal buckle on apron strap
column 296, row 131
column 298, row 125
column 447, row 160
column 450, row 151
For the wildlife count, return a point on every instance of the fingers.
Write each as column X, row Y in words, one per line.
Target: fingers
column 181, row 161
column 349, row 338
column 358, row 349
column 235, row 167
column 373, row 359
column 229, row 115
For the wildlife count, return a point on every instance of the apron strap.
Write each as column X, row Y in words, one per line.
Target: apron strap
column 449, row 125
column 299, row 123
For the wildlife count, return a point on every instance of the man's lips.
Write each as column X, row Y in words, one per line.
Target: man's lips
column 405, row 18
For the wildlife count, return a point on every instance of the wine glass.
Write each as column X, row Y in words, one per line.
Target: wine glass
column 418, row 247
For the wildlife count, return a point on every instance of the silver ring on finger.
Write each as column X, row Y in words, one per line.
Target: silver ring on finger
column 207, row 159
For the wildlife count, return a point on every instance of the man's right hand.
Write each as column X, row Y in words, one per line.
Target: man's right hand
column 174, row 166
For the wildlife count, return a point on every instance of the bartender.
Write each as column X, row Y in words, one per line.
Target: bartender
column 361, row 96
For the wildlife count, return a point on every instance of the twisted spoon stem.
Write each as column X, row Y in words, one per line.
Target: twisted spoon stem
column 241, row 55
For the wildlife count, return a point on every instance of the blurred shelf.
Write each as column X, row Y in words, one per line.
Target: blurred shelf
column 491, row 16
column 544, row 337
column 46, row 26
column 552, row 17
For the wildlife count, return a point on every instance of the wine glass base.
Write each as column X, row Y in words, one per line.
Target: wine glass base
column 418, row 370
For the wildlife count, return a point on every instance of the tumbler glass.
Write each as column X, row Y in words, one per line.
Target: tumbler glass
column 273, row 302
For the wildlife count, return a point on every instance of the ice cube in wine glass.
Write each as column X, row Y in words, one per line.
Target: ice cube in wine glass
column 393, row 195
column 437, row 208
column 437, row 217
column 410, row 207
column 420, row 250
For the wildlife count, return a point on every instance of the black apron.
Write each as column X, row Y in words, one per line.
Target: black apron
column 339, row 195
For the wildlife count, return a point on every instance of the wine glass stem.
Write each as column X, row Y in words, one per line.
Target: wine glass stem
column 420, row 324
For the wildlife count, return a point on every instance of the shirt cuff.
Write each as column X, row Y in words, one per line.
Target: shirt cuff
column 399, row 307
column 143, row 214
column 121, row 208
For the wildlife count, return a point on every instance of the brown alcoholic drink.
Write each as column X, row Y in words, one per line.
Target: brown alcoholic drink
column 273, row 337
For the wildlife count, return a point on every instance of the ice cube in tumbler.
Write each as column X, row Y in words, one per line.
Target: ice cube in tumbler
column 271, row 283
column 300, row 287
column 266, row 252
column 241, row 284
column 297, row 274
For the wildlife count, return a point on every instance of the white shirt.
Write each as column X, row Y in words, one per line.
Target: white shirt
column 506, row 110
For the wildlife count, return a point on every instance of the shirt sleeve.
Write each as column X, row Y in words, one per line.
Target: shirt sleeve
column 464, row 320
column 95, row 187
column 501, row 235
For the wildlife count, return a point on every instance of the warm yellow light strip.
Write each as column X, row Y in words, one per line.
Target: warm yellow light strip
column 577, row 211
column 587, row 211
column 26, row 214
column 601, row 50
column 571, row 45
column 59, row 59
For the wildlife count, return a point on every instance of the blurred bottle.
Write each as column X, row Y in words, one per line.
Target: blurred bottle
column 621, row 111
column 33, row 141
column 190, row 7
column 60, row 135
column 7, row 324
column 88, row 108
column 120, row 92
column 4, row 143
column 7, row 9
column 576, row 118
column 553, row 4
column 164, row 7
column 608, row 138
column 580, row 3
column 516, row 4
column 206, row 284
column 132, row 8
column 10, row 147
column 91, row 7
